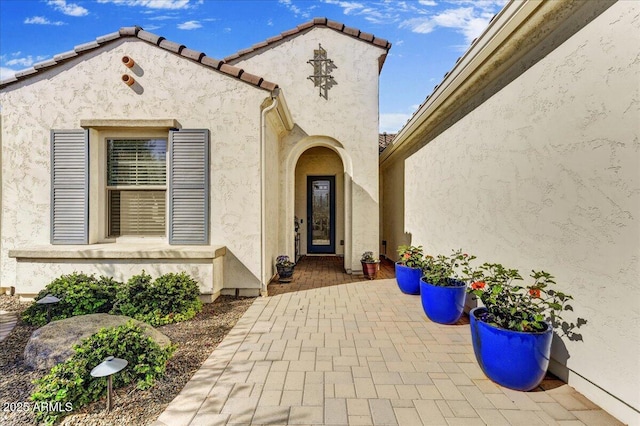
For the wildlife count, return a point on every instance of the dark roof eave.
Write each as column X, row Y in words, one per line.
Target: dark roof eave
column 161, row 42
column 316, row 22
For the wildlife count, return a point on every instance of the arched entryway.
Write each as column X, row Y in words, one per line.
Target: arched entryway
column 319, row 202
column 318, row 186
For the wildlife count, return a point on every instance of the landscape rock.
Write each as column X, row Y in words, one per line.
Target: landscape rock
column 52, row 344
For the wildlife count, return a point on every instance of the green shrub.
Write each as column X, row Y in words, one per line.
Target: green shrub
column 79, row 294
column 170, row 298
column 70, row 383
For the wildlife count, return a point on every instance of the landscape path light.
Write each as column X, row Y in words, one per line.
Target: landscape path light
column 48, row 300
column 107, row 368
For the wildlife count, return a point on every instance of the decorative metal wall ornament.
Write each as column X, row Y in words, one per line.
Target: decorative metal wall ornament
column 322, row 68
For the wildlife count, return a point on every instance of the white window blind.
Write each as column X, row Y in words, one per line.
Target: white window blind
column 136, row 179
column 137, row 162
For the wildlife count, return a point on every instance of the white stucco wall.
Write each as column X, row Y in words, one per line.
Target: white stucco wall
column 90, row 87
column 349, row 115
column 545, row 175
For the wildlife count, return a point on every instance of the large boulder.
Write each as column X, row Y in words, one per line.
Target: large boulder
column 53, row 343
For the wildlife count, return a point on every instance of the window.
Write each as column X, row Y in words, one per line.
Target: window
column 136, row 186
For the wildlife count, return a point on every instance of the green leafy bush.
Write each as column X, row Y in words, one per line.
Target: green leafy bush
column 79, row 294
column 70, row 383
column 170, row 298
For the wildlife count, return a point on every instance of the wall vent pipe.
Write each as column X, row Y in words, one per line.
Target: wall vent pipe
column 128, row 62
column 128, row 80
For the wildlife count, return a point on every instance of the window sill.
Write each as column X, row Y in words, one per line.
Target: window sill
column 118, row 251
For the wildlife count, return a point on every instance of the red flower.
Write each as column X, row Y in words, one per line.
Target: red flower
column 535, row 292
column 477, row 285
column 407, row 255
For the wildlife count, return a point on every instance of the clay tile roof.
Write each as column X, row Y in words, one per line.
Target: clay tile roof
column 316, row 22
column 154, row 39
column 385, row 140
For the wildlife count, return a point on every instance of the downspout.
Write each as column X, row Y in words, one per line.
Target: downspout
column 263, row 191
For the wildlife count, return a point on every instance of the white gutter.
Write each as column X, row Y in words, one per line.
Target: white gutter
column 499, row 30
column 263, row 192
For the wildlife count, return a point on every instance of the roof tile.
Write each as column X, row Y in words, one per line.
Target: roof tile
column 150, row 37
column 129, row 31
column 380, row 42
column 318, row 21
column 192, row 54
column 335, row 25
column 290, row 32
column 351, row 31
column 108, row 37
column 65, row 55
column 86, row 46
column 305, row 25
column 230, row 69
column 274, row 39
column 251, row 78
column 259, row 45
column 366, row 36
column 211, row 62
column 231, row 57
column 25, row 73
column 171, row 46
column 45, row 64
column 268, row 85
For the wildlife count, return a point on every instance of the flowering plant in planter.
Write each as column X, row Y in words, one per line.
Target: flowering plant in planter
column 411, row 256
column 284, row 261
column 525, row 308
column 441, row 270
column 367, row 257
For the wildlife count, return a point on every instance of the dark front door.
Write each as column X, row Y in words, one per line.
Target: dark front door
column 321, row 217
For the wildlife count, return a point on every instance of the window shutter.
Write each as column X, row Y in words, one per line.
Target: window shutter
column 69, row 186
column 189, row 187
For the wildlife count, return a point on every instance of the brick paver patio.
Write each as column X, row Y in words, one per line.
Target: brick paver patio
column 359, row 354
column 324, row 271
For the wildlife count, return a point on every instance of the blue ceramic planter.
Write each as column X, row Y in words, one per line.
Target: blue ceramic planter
column 408, row 279
column 443, row 304
column 512, row 359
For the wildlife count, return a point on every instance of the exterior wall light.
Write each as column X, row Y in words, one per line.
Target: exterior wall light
column 109, row 367
column 48, row 300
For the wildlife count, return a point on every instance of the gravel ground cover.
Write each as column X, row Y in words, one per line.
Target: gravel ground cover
column 196, row 340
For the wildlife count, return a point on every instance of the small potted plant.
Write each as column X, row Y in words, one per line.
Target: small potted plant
column 443, row 286
column 409, row 269
column 285, row 266
column 512, row 332
column 369, row 265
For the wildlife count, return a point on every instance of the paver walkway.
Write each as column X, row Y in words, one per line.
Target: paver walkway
column 8, row 320
column 359, row 353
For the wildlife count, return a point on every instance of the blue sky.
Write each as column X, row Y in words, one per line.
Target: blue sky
column 427, row 35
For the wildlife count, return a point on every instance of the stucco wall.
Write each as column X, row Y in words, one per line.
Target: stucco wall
column 319, row 161
column 349, row 115
column 544, row 175
column 90, row 87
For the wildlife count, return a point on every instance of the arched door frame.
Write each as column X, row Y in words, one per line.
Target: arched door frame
column 290, row 181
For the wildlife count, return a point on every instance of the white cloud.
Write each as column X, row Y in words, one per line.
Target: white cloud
column 70, row 9
column 469, row 21
column 270, row 22
column 152, row 4
column 295, row 9
column 189, row 25
column 24, row 62
column 41, row 20
column 392, row 122
column 6, row 73
column 428, row 2
column 162, row 17
column 152, row 27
